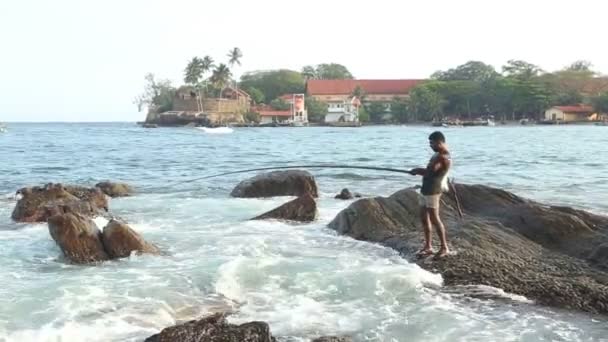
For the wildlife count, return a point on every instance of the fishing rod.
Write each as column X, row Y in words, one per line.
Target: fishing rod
column 315, row 166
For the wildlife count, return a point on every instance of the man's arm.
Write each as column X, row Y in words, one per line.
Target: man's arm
column 417, row 171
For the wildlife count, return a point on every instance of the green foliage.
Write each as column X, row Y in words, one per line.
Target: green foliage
column 252, row 117
column 234, row 57
column 326, row 71
column 316, row 109
column 363, row 114
column 376, row 111
column 359, row 93
column 279, row 104
column 600, row 103
column 521, row 69
column 256, row 95
column 399, row 110
column 194, row 71
column 274, row 83
column 221, row 76
column 157, row 96
column 426, row 103
column 470, row 71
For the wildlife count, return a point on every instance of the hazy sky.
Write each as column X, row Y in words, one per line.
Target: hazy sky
column 84, row 60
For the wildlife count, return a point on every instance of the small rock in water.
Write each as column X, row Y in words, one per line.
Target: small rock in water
column 301, row 209
column 214, row 328
column 120, row 241
column 38, row 203
column 345, row 194
column 277, row 183
column 115, row 189
column 78, row 237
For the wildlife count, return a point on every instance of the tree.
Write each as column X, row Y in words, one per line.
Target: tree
column 256, row 95
column 399, row 110
column 274, row 83
column 279, row 104
column 157, row 96
column 426, row 104
column 580, row 66
column 470, row 71
column 316, row 109
column 376, row 111
column 363, row 114
column 600, row 103
column 192, row 76
column 252, row 117
column 332, row 71
column 309, row 72
column 234, row 56
column 221, row 77
column 521, row 69
column 359, row 93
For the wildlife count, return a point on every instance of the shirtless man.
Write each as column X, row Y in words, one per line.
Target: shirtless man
column 434, row 182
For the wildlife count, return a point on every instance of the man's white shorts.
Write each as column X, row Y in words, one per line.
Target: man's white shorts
column 430, row 201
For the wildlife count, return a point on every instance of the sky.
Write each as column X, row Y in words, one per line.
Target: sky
column 85, row 60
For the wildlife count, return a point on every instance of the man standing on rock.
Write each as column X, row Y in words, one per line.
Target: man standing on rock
column 434, row 182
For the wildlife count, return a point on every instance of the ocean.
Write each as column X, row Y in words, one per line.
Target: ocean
column 304, row 280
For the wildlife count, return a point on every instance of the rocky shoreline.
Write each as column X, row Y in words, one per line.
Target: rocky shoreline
column 555, row 256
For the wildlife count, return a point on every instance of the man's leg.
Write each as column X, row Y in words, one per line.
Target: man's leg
column 436, row 220
column 428, row 235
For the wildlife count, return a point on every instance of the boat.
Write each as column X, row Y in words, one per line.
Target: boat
column 216, row 130
column 3, row 128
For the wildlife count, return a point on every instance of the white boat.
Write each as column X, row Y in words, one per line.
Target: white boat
column 216, row 130
column 3, row 128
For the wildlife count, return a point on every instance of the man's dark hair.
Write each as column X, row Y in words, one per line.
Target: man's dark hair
column 437, row 136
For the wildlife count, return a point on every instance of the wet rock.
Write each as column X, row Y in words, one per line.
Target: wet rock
column 301, row 209
column 552, row 255
column 115, row 189
column 120, row 241
column 37, row 203
column 78, row 237
column 214, row 328
column 345, row 194
column 333, row 339
column 277, row 183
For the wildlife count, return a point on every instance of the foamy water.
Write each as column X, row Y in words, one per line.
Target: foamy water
column 304, row 280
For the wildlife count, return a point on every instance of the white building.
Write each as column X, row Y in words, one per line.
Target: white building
column 343, row 111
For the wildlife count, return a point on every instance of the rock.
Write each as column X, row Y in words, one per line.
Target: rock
column 120, row 241
column 333, row 339
column 553, row 255
column 38, row 203
column 345, row 194
column 78, row 237
column 214, row 328
column 277, row 183
column 301, row 209
column 115, row 189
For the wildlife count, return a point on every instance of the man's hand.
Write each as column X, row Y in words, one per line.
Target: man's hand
column 416, row 172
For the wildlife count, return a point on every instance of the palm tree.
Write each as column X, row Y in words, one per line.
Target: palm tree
column 221, row 77
column 206, row 65
column 193, row 74
column 234, row 56
column 309, row 72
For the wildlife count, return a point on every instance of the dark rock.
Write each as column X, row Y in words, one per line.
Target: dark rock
column 214, row 328
column 115, row 189
column 553, row 255
column 302, row 209
column 38, row 203
column 78, row 237
column 277, row 183
column 345, row 194
column 333, row 339
column 120, row 241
